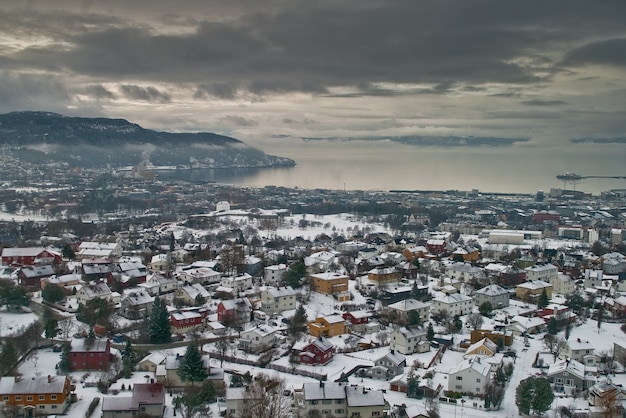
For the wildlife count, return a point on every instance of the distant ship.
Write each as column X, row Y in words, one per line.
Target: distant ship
column 569, row 176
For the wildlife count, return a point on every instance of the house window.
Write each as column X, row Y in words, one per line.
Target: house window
column 18, row 397
column 339, row 411
column 478, row 380
column 5, row 398
column 339, row 401
column 326, row 402
column 325, row 411
column 53, row 407
column 459, row 387
column 29, row 398
column 376, row 413
column 53, row 397
column 459, row 378
column 42, row 406
column 42, row 397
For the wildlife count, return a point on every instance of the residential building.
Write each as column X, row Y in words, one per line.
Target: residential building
column 563, row 284
column 357, row 321
column 388, row 366
column 531, row 291
column 496, row 295
column 29, row 256
column 202, row 275
column 258, row 339
column 137, row 305
column 167, row 373
column 470, row 376
column 384, row 275
column 90, row 354
column 364, row 402
column 484, row 347
column 544, row 272
column 96, row 290
column 185, row 322
column 409, row 340
column 37, row 395
column 277, row 299
column 234, row 311
column 331, row 284
column 31, row 276
column 402, row 311
column 464, row 272
column 579, row 350
column 568, row 376
column 319, row 351
column 274, row 274
column 327, row 326
column 147, row 400
column 454, row 304
column 157, row 284
column 339, row 400
column 192, row 293
column 240, row 282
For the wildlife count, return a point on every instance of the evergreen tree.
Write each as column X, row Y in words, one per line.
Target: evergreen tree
column 194, row 401
column 52, row 293
column 552, row 326
column 414, row 317
column 534, row 394
column 412, row 385
column 68, row 252
column 8, row 357
column 298, row 321
column 159, row 327
column 430, row 332
column 64, row 364
column 543, row 300
column 191, row 367
column 295, row 273
column 50, row 328
column 485, row 309
column 129, row 359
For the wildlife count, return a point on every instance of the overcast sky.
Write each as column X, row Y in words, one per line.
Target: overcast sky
column 547, row 71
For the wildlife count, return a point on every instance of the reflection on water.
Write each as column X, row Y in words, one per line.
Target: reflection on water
column 385, row 166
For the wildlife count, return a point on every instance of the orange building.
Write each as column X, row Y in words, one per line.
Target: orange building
column 35, row 396
column 327, row 326
column 331, row 284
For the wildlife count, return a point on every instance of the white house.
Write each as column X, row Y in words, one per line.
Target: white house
column 563, row 284
column 157, row 284
column 409, row 340
column 99, row 290
column 464, row 272
column 190, row 293
column 274, row 274
column 404, row 307
column 454, row 304
column 470, row 376
column 239, row 283
column 258, row 339
column 277, row 299
column 496, row 295
column 543, row 272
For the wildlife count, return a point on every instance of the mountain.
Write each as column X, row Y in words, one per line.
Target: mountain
column 50, row 138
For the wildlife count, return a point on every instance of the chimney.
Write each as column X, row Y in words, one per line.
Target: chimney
column 49, row 379
column 321, row 383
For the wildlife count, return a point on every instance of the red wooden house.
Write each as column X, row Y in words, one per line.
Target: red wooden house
column 437, row 246
column 90, row 354
column 186, row 321
column 234, row 311
column 30, row 256
column 319, row 351
column 512, row 276
column 31, row 276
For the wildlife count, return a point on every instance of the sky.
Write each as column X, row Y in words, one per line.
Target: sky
column 287, row 70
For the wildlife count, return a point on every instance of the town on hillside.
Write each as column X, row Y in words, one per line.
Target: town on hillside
column 129, row 297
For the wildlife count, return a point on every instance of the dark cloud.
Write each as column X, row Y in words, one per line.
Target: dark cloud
column 610, row 52
column 148, row 94
column 544, row 103
column 32, row 92
column 314, row 46
column 238, row 121
column 98, row 91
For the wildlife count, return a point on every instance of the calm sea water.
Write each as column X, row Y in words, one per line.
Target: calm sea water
column 361, row 165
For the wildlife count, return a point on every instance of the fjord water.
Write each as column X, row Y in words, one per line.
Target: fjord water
column 385, row 165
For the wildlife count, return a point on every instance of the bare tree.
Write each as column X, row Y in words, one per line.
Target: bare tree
column 265, row 398
column 610, row 403
column 474, row 320
column 383, row 337
column 66, row 326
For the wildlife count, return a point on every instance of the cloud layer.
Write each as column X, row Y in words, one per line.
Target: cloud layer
column 546, row 71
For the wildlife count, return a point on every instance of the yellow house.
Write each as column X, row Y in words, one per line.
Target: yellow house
column 327, row 326
column 384, row 275
column 331, row 284
column 531, row 291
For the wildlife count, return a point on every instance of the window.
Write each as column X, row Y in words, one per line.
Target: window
column 42, row 397
column 339, row 411
column 53, row 407
column 313, row 402
column 459, row 378
column 18, row 397
column 326, row 402
column 29, row 398
column 53, row 397
column 326, row 411
column 339, row 401
column 5, row 398
column 375, row 413
column 459, row 387
column 42, row 406
column 478, row 380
